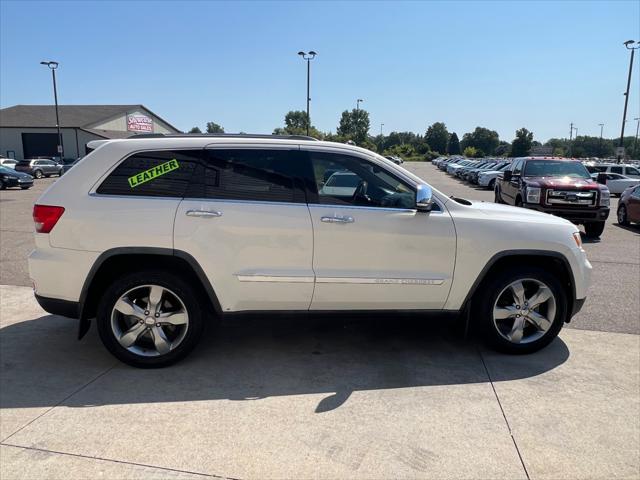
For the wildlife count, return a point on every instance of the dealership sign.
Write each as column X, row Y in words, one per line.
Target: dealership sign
column 139, row 123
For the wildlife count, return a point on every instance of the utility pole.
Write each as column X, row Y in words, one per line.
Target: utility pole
column 382, row 125
column 627, row 44
column 600, row 142
column 570, row 139
column 635, row 142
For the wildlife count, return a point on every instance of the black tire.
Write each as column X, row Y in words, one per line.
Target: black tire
column 492, row 184
column 175, row 284
column 38, row 173
column 594, row 229
column 518, row 202
column 497, row 196
column 623, row 219
column 2, row 185
column 486, row 301
column 26, row 188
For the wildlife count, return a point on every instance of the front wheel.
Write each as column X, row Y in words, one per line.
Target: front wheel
column 150, row 319
column 38, row 174
column 622, row 216
column 523, row 310
column 594, row 229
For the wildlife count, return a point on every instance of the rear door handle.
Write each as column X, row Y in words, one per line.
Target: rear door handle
column 203, row 213
column 337, row 219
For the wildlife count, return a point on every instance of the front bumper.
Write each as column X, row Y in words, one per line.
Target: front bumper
column 575, row 215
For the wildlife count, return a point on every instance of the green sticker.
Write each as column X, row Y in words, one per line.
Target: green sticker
column 153, row 173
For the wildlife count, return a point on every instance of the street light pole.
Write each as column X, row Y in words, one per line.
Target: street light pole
column 382, row 125
column 571, row 129
column 52, row 66
column 358, row 114
column 600, row 142
column 628, row 44
column 308, row 57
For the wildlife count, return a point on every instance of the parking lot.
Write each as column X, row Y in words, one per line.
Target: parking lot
column 335, row 397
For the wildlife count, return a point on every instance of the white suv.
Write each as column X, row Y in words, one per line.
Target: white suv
column 153, row 237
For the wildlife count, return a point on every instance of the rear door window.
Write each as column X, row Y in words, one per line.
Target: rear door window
column 261, row 175
column 632, row 171
column 616, row 170
column 152, row 174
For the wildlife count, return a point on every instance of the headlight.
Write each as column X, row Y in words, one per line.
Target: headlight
column 533, row 195
column 605, row 197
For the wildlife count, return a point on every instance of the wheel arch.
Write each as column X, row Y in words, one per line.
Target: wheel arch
column 554, row 262
column 118, row 261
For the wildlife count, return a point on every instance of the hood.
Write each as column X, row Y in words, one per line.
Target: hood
column 564, row 182
column 517, row 213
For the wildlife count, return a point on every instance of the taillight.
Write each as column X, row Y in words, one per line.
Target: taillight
column 46, row 217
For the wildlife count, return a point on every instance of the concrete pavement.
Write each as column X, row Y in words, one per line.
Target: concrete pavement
column 298, row 398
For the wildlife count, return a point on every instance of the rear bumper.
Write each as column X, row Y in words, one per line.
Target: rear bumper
column 574, row 215
column 578, row 303
column 55, row 306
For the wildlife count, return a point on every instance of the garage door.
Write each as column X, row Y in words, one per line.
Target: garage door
column 39, row 145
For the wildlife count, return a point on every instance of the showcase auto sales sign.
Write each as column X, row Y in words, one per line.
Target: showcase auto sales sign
column 139, row 123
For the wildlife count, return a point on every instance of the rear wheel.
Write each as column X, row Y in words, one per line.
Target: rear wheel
column 622, row 215
column 38, row 174
column 523, row 310
column 497, row 197
column 150, row 319
column 594, row 229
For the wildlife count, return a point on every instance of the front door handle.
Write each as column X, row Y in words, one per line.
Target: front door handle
column 203, row 213
column 337, row 219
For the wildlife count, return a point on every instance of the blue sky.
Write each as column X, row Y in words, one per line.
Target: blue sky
column 501, row 65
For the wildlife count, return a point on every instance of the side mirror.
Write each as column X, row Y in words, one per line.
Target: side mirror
column 508, row 175
column 424, row 201
column 602, row 178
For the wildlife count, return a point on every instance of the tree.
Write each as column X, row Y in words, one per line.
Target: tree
column 437, row 137
column 503, row 149
column 295, row 123
column 454, row 145
column 470, row 152
column 213, row 127
column 481, row 139
column 195, row 130
column 354, row 125
column 521, row 145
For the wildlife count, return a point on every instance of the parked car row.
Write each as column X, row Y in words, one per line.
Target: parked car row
column 577, row 191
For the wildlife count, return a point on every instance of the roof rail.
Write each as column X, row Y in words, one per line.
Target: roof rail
column 224, row 135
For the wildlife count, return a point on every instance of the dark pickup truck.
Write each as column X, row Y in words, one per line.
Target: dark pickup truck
column 557, row 186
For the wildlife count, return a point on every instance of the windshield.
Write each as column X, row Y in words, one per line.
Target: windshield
column 6, row 170
column 554, row 168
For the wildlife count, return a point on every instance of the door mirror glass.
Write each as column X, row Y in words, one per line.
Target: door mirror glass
column 508, row 175
column 424, row 198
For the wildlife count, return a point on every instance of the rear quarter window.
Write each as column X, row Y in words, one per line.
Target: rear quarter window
column 152, row 174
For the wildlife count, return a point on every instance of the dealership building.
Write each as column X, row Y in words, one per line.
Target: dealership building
column 30, row 130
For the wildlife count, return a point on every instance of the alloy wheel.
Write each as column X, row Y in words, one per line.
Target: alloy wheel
column 524, row 311
column 149, row 320
column 622, row 215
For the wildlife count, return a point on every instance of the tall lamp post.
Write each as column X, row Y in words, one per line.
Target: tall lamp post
column 381, row 125
column 571, row 129
column 52, row 66
column 629, row 45
column 308, row 57
column 358, row 101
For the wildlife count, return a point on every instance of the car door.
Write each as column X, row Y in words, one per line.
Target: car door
column 510, row 189
column 633, row 205
column 246, row 221
column 372, row 248
column 632, row 172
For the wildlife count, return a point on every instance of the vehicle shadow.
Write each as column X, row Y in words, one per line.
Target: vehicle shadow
column 255, row 357
column 633, row 228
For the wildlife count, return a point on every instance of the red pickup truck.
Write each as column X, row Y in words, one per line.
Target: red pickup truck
column 557, row 186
